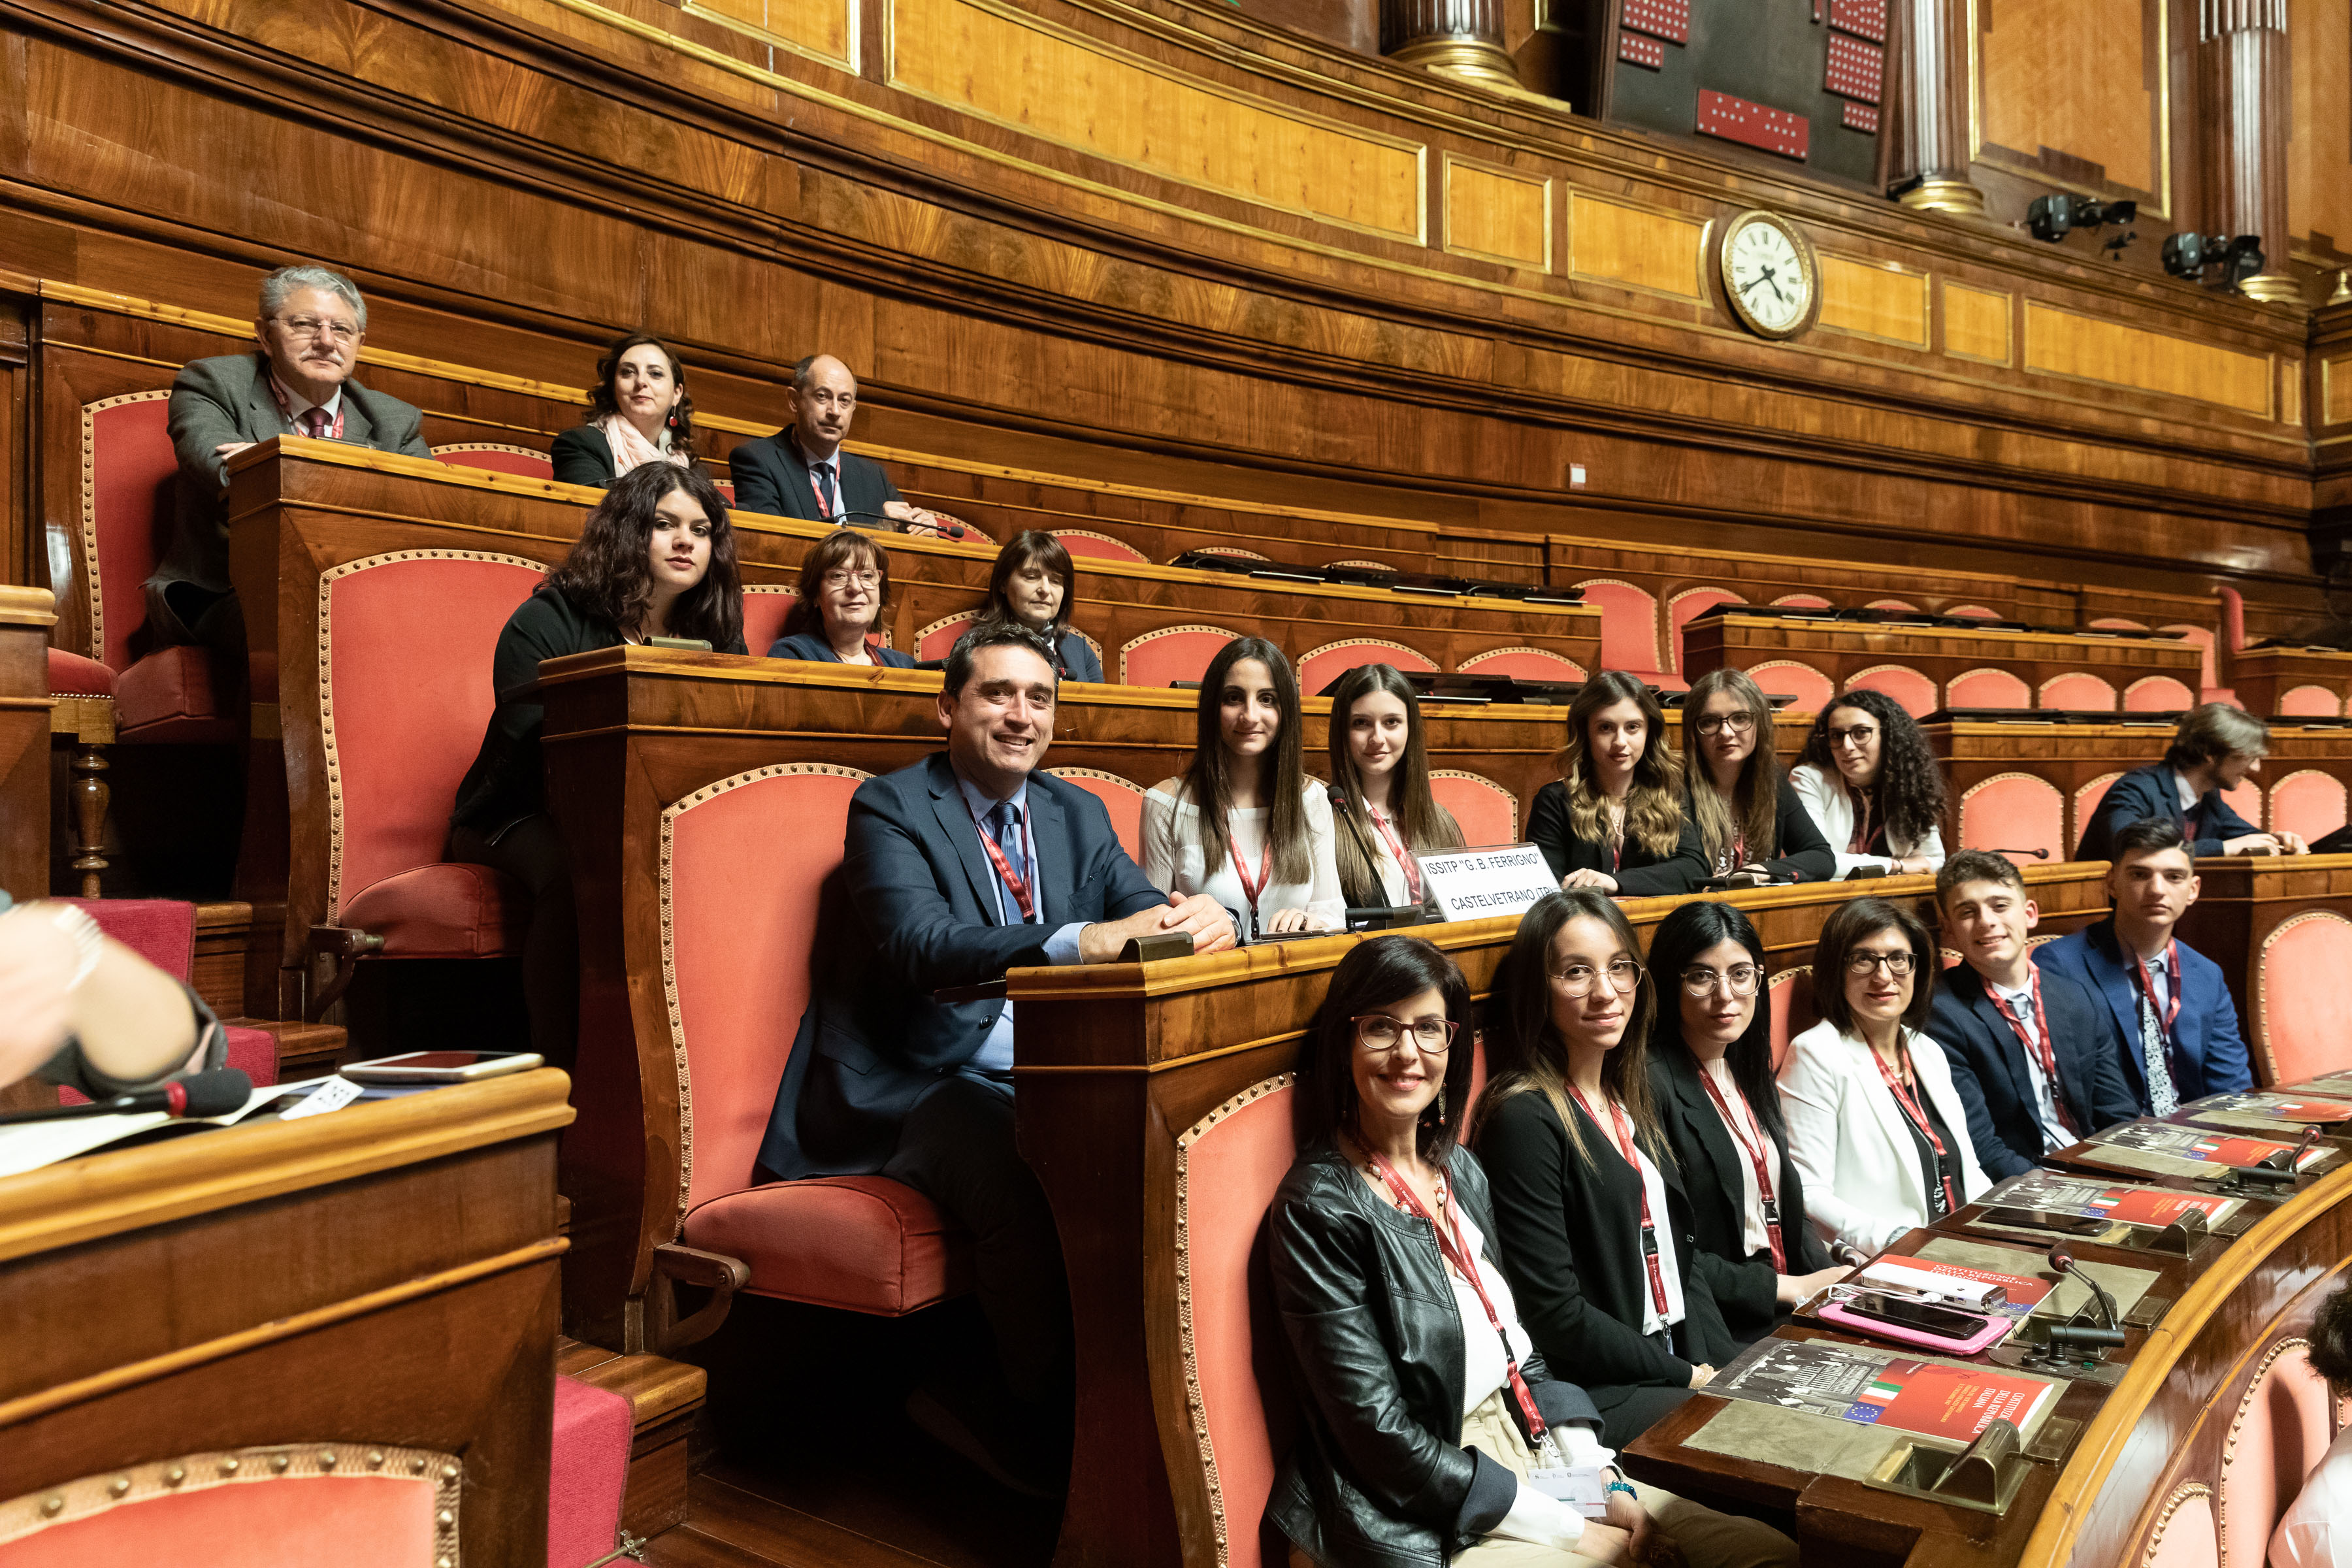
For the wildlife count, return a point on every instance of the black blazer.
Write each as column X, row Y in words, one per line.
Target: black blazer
column 1378, row 1476
column 911, row 911
column 1571, row 1242
column 1805, row 856
column 1640, row 875
column 1747, row 1293
column 809, row 644
column 1989, row 1066
column 2154, row 791
column 582, row 456
column 771, row 477
column 507, row 781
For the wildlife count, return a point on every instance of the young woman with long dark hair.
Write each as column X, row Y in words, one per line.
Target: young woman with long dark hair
column 1711, row 1077
column 639, row 414
column 1243, row 823
column 1033, row 584
column 1380, row 770
column 656, row 558
column 1747, row 814
column 1869, row 783
column 1613, row 819
column 1427, row 1402
column 837, row 618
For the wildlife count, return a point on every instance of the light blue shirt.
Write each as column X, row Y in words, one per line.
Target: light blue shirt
column 994, row 1058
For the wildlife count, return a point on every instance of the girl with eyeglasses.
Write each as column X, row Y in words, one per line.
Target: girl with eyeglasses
column 1379, row 783
column 845, row 590
column 1711, row 1076
column 1613, row 819
column 1427, row 1399
column 1242, row 823
column 1875, row 1124
column 1747, row 814
column 1596, row 1225
column 1869, row 783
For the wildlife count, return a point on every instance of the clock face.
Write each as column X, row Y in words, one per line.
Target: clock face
column 1769, row 279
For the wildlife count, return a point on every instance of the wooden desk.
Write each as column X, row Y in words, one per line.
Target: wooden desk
column 2264, row 677
column 380, row 1281
column 2241, row 901
column 1839, row 650
column 25, row 616
column 1114, row 1062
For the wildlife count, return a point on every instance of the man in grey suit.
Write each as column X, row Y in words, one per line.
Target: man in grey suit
column 308, row 337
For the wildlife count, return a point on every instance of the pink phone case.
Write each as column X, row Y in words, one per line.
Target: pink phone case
column 1994, row 1327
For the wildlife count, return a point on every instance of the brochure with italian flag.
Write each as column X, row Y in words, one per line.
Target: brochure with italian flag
column 2303, row 1108
column 1951, row 1401
column 2200, row 1148
column 2053, row 1192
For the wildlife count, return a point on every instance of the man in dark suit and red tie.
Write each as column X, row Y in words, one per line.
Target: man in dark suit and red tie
column 2215, row 748
column 801, row 470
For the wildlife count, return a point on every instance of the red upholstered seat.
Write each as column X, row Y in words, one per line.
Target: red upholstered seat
column 181, row 694
column 1325, row 665
column 1121, row 797
column 2117, row 623
column 939, row 639
column 2015, row 812
column 500, row 460
column 164, row 933
column 445, row 909
column 1987, row 688
column 1791, row 995
column 1973, row 612
column 1808, row 687
column 1911, row 690
column 2306, row 1028
column 2309, row 802
column 253, row 1052
column 2087, row 804
column 587, row 1472
column 2185, row 1535
column 71, row 675
column 295, row 1521
column 1486, row 811
column 1686, row 608
column 2078, row 692
column 2246, row 799
column 764, row 609
column 2158, row 694
column 1170, row 654
column 2202, row 639
column 1084, row 543
column 1522, row 664
column 747, row 858
column 1802, row 602
column 2279, row 1435
column 2310, row 702
column 1629, row 624
column 1899, row 605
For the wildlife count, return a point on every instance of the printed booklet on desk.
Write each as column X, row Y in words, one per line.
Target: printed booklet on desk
column 2265, row 1109
column 1949, row 1401
column 2167, row 1150
column 2053, row 1192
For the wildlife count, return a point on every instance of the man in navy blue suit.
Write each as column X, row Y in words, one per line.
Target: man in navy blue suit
column 2034, row 1057
column 2212, row 752
column 2180, row 1026
column 955, row 869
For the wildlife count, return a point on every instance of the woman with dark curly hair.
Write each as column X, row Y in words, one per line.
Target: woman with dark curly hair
column 655, row 559
column 1868, row 780
column 639, row 414
column 1614, row 819
column 2320, row 1519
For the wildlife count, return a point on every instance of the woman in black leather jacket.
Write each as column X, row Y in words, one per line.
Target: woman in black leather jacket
column 1418, row 1387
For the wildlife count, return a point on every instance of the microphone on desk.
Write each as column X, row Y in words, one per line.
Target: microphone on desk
column 2061, row 1258
column 2037, row 854
column 948, row 526
column 198, row 1095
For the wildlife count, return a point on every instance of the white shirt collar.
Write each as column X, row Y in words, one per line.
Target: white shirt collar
column 981, row 803
column 296, row 404
column 2188, row 795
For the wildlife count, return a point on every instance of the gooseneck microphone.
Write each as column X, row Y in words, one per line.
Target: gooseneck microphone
column 2037, row 854
column 197, row 1095
column 946, row 525
column 2061, row 1258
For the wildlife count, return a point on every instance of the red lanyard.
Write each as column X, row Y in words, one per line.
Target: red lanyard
column 1017, row 885
column 1625, row 1146
column 2039, row 1045
column 1252, row 887
column 1754, row 1153
column 1920, row 1120
column 2147, row 985
column 1450, row 1244
column 1404, row 859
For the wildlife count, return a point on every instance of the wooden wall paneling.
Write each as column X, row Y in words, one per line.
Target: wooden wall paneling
column 2320, row 133
column 1496, row 214
column 1648, row 249
column 1979, row 323
column 2074, row 92
column 2261, row 676
column 25, row 617
column 1883, row 301
column 24, row 560
column 2060, row 342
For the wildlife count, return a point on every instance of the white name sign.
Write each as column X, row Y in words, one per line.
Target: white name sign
column 1499, row 879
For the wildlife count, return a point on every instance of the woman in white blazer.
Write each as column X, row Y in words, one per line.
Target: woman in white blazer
column 1875, row 1124
column 1871, row 784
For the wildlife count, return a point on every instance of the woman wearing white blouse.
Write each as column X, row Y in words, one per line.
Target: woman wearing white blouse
column 1379, row 764
column 1242, row 823
column 1873, row 1121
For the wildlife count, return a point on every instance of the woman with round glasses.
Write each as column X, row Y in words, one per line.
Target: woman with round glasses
column 1380, row 790
column 1428, row 1403
column 1711, row 1075
column 837, row 617
column 1613, row 819
column 1875, row 1124
column 1871, row 784
column 1597, row 1228
column 1747, row 814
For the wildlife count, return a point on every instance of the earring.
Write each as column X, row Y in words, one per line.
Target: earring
column 673, row 418
column 1436, row 1115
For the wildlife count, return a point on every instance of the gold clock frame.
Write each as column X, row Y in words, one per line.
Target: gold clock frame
column 1797, row 242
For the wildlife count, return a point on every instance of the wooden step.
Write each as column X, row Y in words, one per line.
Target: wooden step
column 304, row 1050
column 663, row 1397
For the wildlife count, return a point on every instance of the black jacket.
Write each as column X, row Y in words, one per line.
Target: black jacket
column 2154, row 791
column 582, row 456
column 811, row 646
column 1989, row 1066
column 1639, row 875
column 1379, row 1477
column 771, row 477
column 1571, row 1240
column 1805, row 856
column 1747, row 1293
column 508, row 780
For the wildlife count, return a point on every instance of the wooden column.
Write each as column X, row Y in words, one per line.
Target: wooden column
column 2242, row 57
column 1460, row 37
column 1927, row 102
column 25, row 616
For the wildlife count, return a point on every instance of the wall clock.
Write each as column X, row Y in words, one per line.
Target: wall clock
column 1768, row 274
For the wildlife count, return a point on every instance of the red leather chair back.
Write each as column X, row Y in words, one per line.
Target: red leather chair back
column 1168, row 654
column 2279, row 1435
column 1790, row 995
column 939, row 639
column 1914, row 691
column 403, row 710
column 1989, row 689
column 764, row 609
column 499, row 458
column 1084, row 543
column 2079, row 692
column 2309, row 802
column 1327, row 664
column 2185, row 1535
column 1228, row 1165
column 1629, row 624
column 1121, row 797
column 2158, row 694
column 2306, row 1028
column 1486, row 811
column 1684, row 608
column 1523, row 663
column 2014, row 811
column 129, row 481
column 746, row 859
column 2310, row 702
column 1786, row 677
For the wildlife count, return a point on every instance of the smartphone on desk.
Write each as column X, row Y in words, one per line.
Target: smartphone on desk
column 2034, row 1219
column 442, row 1067
column 1900, row 1311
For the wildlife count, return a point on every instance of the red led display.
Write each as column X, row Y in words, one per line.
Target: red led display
column 1856, row 68
column 1635, row 49
column 1867, row 17
column 1862, row 117
column 1752, row 124
column 1659, row 18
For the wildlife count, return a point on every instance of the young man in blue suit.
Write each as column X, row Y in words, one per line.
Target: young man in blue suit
column 964, row 866
column 2034, row 1055
column 2212, row 752
column 2180, row 1027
